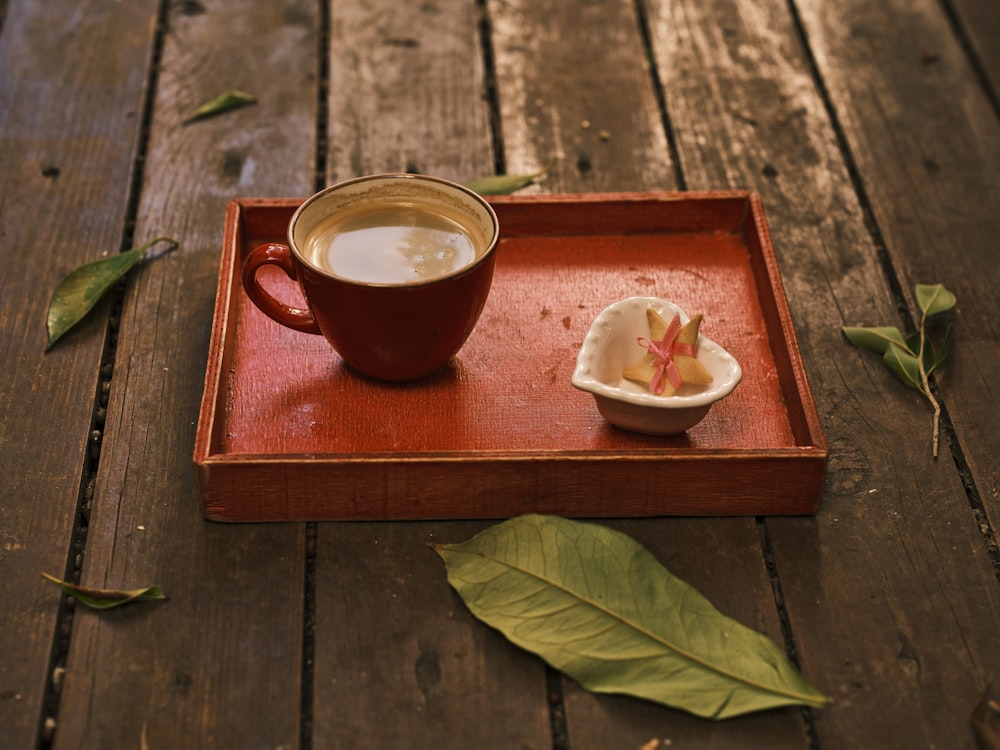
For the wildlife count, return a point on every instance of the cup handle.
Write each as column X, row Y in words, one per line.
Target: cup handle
column 279, row 255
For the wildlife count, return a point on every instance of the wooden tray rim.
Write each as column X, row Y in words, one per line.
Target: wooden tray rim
column 810, row 446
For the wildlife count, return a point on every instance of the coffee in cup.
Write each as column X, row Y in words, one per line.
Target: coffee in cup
column 395, row 243
column 395, row 270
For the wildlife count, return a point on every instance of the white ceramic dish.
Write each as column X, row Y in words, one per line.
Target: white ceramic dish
column 611, row 345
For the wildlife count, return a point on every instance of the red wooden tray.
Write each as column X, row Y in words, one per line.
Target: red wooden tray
column 288, row 432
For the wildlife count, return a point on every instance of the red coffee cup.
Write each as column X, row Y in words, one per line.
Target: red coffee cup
column 395, row 270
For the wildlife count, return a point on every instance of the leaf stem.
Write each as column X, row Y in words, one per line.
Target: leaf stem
column 174, row 244
column 925, row 385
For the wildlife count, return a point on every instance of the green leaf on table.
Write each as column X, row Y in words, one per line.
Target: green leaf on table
column 936, row 355
column 904, row 364
column 222, row 103
column 874, row 338
column 504, row 184
column 912, row 359
column 598, row 606
column 106, row 598
column 77, row 293
column 934, row 298
column 933, row 356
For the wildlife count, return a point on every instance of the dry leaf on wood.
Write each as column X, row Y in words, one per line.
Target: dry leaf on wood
column 82, row 288
column 106, row 598
column 504, row 184
column 222, row 103
column 598, row 606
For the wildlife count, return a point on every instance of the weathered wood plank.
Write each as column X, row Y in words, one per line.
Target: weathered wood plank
column 407, row 91
column 399, row 661
column 890, row 593
column 575, row 92
column 219, row 663
column 894, row 551
column 979, row 22
column 927, row 141
column 560, row 67
column 67, row 135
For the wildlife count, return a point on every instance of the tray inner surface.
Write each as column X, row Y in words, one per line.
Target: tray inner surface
column 508, row 391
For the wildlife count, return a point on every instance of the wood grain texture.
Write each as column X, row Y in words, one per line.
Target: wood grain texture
column 398, row 664
column 407, row 91
column 979, row 23
column 556, row 66
column 67, row 137
column 926, row 137
column 574, row 92
column 894, row 551
column 400, row 661
column 218, row 663
column 868, row 126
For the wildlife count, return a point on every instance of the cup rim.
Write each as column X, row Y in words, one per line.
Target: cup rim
column 481, row 258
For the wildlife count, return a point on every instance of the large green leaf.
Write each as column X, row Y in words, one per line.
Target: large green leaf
column 598, row 606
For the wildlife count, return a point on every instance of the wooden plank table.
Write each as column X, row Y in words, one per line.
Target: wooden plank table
column 871, row 129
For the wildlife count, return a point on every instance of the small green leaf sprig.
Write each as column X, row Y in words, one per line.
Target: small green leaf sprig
column 915, row 357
